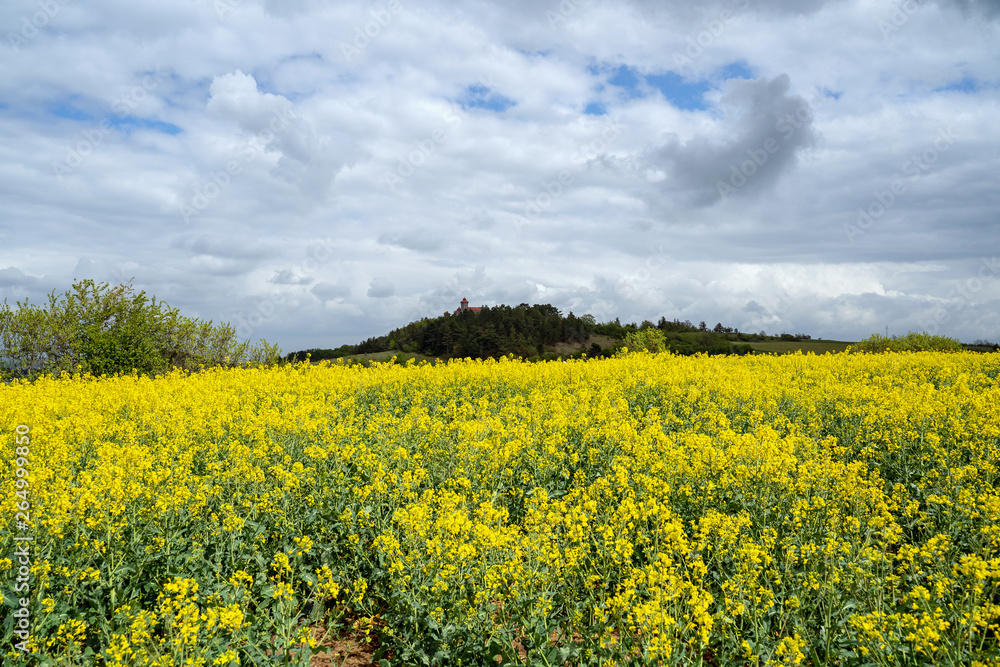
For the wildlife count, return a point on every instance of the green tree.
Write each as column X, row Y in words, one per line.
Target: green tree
column 102, row 329
column 648, row 339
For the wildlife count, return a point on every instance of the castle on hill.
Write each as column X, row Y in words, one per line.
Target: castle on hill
column 464, row 306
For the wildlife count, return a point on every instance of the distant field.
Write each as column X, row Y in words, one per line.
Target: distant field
column 788, row 346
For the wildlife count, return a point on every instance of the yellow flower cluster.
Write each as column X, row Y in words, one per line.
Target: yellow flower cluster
column 643, row 509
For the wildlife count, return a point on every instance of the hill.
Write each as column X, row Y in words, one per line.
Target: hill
column 538, row 332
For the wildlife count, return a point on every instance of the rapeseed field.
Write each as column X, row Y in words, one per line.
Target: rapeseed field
column 646, row 509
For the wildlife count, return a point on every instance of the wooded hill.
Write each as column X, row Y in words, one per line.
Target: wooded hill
column 537, row 332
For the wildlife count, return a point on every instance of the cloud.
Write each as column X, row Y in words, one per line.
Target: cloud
column 989, row 9
column 763, row 130
column 420, row 240
column 12, row 277
column 287, row 277
column 307, row 158
column 217, row 246
column 212, row 149
column 330, row 292
column 380, row 288
column 235, row 97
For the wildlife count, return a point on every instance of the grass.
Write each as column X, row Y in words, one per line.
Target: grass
column 571, row 348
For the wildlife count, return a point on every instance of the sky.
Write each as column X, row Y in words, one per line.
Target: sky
column 317, row 172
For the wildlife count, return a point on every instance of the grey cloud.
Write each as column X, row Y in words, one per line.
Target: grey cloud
column 286, row 8
column 224, row 248
column 330, row 292
column 214, row 266
column 14, row 277
column 463, row 284
column 287, row 277
column 986, row 8
column 768, row 128
column 380, row 288
column 421, row 240
column 688, row 10
column 480, row 222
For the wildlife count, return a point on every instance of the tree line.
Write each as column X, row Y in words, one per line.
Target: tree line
column 529, row 331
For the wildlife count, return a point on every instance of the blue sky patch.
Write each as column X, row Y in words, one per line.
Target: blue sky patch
column 628, row 79
column 70, row 112
column 595, row 109
column 735, row 70
column 679, row 92
column 126, row 125
column 965, row 85
column 682, row 92
column 481, row 97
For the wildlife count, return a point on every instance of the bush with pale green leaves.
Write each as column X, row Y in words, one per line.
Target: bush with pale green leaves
column 101, row 329
column 649, row 340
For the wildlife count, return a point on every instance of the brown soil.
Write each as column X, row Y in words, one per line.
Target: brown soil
column 342, row 651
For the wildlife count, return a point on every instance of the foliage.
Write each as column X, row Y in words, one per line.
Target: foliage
column 319, row 354
column 911, row 342
column 101, row 329
column 648, row 340
column 494, row 332
column 530, row 332
column 644, row 509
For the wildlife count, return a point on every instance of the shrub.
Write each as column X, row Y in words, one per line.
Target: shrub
column 911, row 342
column 105, row 330
column 649, row 339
